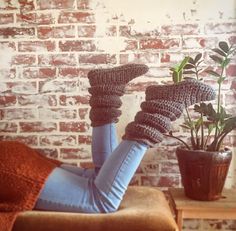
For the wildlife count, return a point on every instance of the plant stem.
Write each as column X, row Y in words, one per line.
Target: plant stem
column 191, row 130
column 218, row 107
column 187, row 146
column 202, row 132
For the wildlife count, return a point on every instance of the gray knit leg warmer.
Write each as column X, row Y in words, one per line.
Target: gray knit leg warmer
column 188, row 92
column 107, row 86
column 165, row 104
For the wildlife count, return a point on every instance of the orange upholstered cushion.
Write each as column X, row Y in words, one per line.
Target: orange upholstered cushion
column 142, row 209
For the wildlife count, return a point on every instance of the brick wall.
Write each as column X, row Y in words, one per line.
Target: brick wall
column 47, row 48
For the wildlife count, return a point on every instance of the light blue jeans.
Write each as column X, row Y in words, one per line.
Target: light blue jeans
column 100, row 190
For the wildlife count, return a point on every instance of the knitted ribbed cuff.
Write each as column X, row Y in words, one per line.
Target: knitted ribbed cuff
column 117, row 75
column 172, row 110
column 107, row 89
column 105, row 101
column 101, row 116
column 142, row 133
column 157, row 121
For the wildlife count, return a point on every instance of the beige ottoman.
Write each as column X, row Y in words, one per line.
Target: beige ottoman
column 143, row 209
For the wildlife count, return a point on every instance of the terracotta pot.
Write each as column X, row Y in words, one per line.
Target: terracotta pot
column 203, row 173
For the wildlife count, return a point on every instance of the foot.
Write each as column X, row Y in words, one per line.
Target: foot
column 116, row 75
column 188, row 92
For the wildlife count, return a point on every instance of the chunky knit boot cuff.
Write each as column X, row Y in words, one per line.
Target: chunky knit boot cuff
column 101, row 116
column 107, row 89
column 117, row 75
column 172, row 110
column 105, row 101
column 142, row 133
column 157, row 121
column 188, row 92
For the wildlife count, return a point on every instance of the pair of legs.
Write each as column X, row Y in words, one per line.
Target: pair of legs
column 73, row 189
column 99, row 190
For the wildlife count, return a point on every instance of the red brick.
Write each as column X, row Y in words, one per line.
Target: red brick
column 144, row 57
column 7, row 100
column 231, row 70
column 8, row 73
column 57, row 113
column 39, row 73
column 45, row 32
column 22, row 87
column 97, row 59
column 90, row 31
column 180, row 29
column 159, row 43
column 55, row 4
column 15, row 32
column 200, row 42
column 39, row 100
column 73, row 72
column 8, row 5
column 57, row 86
column 26, row 5
column 79, row 45
column 84, row 4
column 130, row 45
column 232, row 40
column 37, row 126
column 58, row 140
column 57, row 60
column 85, row 139
column 171, row 58
column 6, row 18
column 25, row 60
column 74, row 100
column 86, row 31
column 129, row 31
column 73, row 153
column 161, row 181
column 230, row 98
column 73, row 126
column 18, row 114
column 76, row 17
column 220, row 28
column 83, row 112
column 36, row 18
column 6, row 45
column 48, row 152
column 169, row 167
column 141, row 86
column 28, row 140
column 8, row 127
column 36, row 46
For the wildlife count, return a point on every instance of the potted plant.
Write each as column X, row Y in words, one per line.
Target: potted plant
column 203, row 159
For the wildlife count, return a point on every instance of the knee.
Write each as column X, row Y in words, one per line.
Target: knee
column 104, row 202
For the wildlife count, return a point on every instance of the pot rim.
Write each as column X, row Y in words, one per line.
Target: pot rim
column 182, row 148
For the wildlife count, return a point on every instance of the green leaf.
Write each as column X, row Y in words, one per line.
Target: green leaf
column 219, row 52
column 188, row 66
column 230, row 124
column 217, row 59
column 197, row 58
column 211, row 72
column 184, row 126
column 189, row 72
column 175, row 77
column 224, row 46
column 183, row 63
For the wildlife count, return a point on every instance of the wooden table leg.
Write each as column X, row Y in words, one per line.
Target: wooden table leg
column 179, row 219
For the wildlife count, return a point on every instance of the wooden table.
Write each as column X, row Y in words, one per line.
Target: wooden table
column 184, row 207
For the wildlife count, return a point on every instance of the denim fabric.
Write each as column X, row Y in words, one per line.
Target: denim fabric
column 72, row 189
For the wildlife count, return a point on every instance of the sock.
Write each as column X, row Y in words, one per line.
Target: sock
column 116, row 75
column 188, row 92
